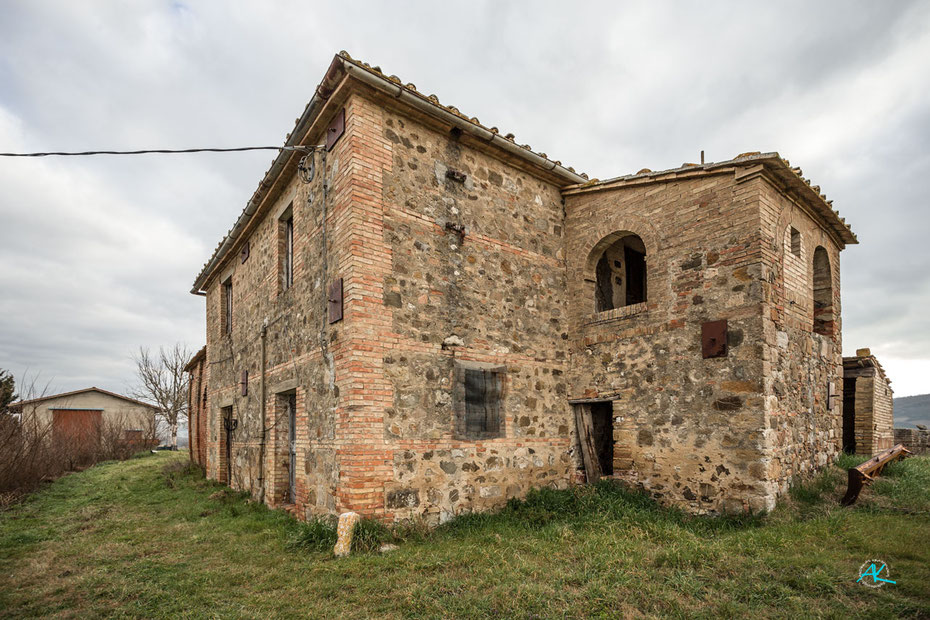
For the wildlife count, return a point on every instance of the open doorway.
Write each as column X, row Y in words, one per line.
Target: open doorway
column 292, row 447
column 595, row 424
column 849, row 415
column 289, row 401
column 602, row 422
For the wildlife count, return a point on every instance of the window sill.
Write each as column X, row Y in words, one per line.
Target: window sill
column 616, row 314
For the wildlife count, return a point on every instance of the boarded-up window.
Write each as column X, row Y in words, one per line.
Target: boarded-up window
column 478, row 396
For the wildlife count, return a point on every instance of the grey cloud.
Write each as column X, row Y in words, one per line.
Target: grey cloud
column 99, row 253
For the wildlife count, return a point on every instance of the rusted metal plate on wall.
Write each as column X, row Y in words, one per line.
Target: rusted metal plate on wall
column 244, row 382
column 714, row 339
column 335, row 301
column 336, row 128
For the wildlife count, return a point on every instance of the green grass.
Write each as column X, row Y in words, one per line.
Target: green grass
column 150, row 537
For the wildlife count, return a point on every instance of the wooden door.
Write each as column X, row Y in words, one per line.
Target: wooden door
column 77, row 433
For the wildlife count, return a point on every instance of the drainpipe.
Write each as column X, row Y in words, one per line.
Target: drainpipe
column 261, row 407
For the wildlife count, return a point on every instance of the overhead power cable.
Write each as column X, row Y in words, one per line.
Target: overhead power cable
column 163, row 151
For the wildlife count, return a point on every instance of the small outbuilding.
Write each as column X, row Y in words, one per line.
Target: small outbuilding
column 82, row 416
column 868, row 405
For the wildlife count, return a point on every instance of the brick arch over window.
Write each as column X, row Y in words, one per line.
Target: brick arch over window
column 595, row 237
column 619, row 266
column 794, row 260
column 810, row 238
column 823, row 293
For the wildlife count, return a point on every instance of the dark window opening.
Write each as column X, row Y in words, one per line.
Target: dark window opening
column 823, row 293
column 288, row 275
column 478, row 407
column 635, row 276
column 620, row 274
column 602, row 423
column 481, row 402
column 227, row 306
column 795, row 242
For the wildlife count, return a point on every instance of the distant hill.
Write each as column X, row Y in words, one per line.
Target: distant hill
column 911, row 410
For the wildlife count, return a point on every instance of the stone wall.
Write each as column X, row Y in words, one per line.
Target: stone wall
column 300, row 345
column 882, row 412
column 914, row 439
column 375, row 408
column 688, row 429
column 864, row 421
column 476, row 275
column 198, row 409
column 801, row 367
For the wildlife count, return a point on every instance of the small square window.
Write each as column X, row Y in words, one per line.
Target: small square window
column 478, row 393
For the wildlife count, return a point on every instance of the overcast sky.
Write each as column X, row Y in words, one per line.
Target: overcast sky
column 97, row 255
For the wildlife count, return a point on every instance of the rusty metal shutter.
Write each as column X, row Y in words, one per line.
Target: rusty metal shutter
column 714, row 339
column 336, row 128
column 335, row 301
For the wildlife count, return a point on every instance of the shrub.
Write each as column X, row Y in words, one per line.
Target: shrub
column 370, row 535
column 32, row 453
column 315, row 534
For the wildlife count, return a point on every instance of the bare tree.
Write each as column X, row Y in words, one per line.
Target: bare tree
column 163, row 382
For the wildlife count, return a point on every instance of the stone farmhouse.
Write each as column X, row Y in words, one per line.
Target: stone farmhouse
column 415, row 316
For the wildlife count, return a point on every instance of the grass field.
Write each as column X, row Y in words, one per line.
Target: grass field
column 151, row 538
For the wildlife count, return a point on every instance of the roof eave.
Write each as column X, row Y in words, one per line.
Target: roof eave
column 296, row 137
column 772, row 162
column 202, row 353
column 31, row 401
column 344, row 65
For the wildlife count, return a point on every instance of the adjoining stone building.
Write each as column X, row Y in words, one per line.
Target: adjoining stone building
column 196, row 407
column 422, row 317
column 868, row 405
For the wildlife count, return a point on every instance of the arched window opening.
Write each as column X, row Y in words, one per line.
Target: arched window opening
column 823, row 293
column 621, row 274
column 794, row 241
